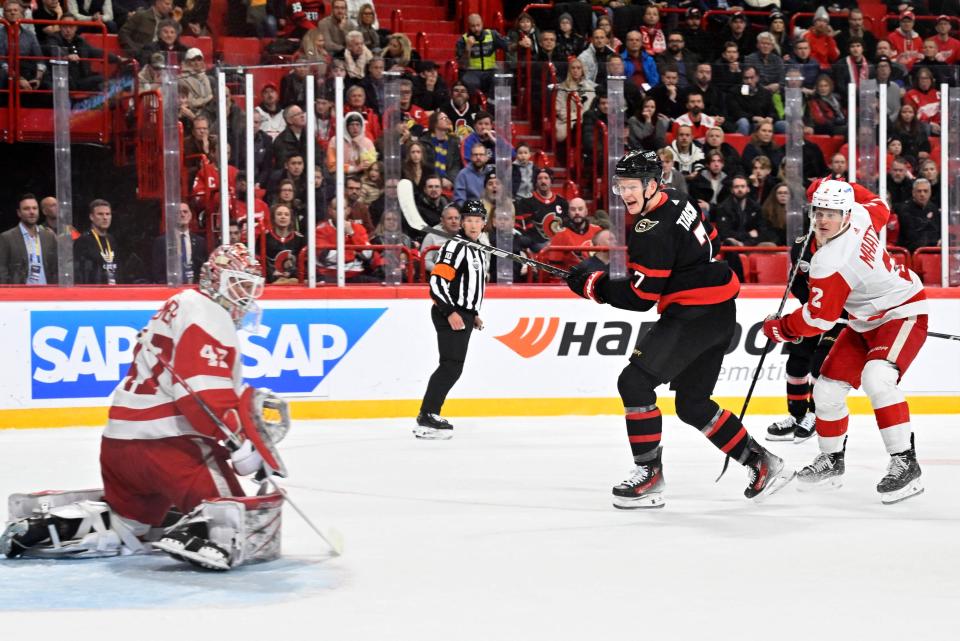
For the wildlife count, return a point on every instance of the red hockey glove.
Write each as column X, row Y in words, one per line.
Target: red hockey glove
column 774, row 330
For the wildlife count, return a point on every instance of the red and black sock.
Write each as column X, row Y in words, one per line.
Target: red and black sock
column 644, row 426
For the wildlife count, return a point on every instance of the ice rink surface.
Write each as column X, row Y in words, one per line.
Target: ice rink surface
column 506, row 533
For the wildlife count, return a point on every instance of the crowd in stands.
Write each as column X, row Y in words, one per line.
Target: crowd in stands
column 691, row 84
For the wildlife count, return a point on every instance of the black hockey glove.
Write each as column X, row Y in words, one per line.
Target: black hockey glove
column 584, row 282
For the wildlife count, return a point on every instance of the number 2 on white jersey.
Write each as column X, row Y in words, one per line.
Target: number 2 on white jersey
column 815, row 295
column 216, row 356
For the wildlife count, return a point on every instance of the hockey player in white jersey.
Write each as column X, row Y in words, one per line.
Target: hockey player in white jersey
column 887, row 311
column 161, row 450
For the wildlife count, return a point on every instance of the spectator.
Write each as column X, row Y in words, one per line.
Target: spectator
column 355, row 209
column 399, row 55
column 752, row 106
column 491, row 194
column 825, row 114
column 569, row 43
column 604, row 22
column 728, row 69
column 898, row 72
column 430, row 91
column 736, row 32
column 778, row 29
column 431, row 202
column 201, row 144
column 300, row 17
column 919, row 218
column 809, row 68
column 443, row 149
column 698, row 121
column 494, row 228
column 325, row 122
column 925, row 99
column 523, row 172
column 947, row 46
column 32, row 68
column 538, row 215
column 838, row 167
column 906, row 43
column 940, row 71
column 28, row 252
column 461, row 113
column 577, row 232
column 883, row 73
column 359, row 264
column 373, row 84
column 671, row 178
column 93, row 11
column 450, row 223
column 853, row 67
column 469, row 182
column 47, row 10
column 767, row 62
column 596, row 114
column 667, row 94
column 484, row 134
column 371, row 184
column 238, row 202
column 293, row 170
column 773, row 228
column 823, row 48
column 335, row 27
column 714, row 103
column 678, row 56
column 524, row 40
column 547, row 53
column 738, row 218
column 697, row 41
column 762, row 144
column 286, row 196
column 899, row 182
column 647, row 128
column 151, row 78
column 687, row 153
column 167, row 42
column 575, row 84
column 95, row 252
column 50, row 209
column 68, row 43
column 390, row 232
column 367, row 25
column 415, row 167
column 192, row 250
column 855, row 30
column 651, row 35
column 913, row 133
column 356, row 55
column 599, row 260
column 194, row 17
column 731, row 157
column 292, row 140
column 141, row 28
column 270, row 111
column 761, row 179
column 313, row 44
column 358, row 150
column 711, row 185
column 293, row 86
column 928, row 170
column 195, row 79
column 357, row 103
column 281, row 246
column 594, row 57
column 638, row 65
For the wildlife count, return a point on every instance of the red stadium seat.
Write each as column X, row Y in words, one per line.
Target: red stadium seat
column 772, row 268
column 108, row 42
column 737, row 141
column 927, row 266
column 203, row 43
column 240, row 51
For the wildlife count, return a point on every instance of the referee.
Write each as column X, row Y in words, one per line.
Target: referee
column 456, row 287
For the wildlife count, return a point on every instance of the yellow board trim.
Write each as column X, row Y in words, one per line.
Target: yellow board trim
column 320, row 409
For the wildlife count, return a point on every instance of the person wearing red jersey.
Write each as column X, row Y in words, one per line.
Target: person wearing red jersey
column 181, row 428
column 699, row 122
column 358, row 263
column 670, row 264
column 887, row 326
column 925, row 98
column 948, row 48
column 302, row 16
column 905, row 41
column 577, row 232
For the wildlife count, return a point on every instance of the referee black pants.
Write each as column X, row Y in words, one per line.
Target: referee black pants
column 452, row 345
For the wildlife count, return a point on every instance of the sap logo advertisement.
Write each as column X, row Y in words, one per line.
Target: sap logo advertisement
column 84, row 354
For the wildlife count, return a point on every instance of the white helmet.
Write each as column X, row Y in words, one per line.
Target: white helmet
column 833, row 194
column 233, row 277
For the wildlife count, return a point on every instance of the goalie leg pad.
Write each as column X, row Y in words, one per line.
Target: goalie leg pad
column 225, row 533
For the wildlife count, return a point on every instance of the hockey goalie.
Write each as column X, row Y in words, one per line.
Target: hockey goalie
column 182, row 427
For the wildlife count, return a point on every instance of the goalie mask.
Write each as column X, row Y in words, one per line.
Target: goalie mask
column 233, row 278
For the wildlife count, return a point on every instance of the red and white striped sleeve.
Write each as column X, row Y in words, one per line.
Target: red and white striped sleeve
column 875, row 206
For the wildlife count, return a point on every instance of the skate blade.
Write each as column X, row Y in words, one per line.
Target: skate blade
column 179, row 553
column 775, row 484
column 647, row 502
column 832, row 483
column 779, row 437
column 803, row 439
column 431, row 434
column 913, row 489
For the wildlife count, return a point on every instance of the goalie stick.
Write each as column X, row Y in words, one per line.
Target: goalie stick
column 331, row 537
column 408, row 206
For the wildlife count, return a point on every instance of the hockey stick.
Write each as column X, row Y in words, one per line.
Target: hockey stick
column 332, row 537
column 949, row 337
column 766, row 348
column 408, row 206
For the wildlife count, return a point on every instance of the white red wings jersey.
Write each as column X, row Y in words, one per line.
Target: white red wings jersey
column 198, row 338
column 854, row 272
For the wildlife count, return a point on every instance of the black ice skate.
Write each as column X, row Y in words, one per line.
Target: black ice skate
column 433, row 427
column 826, row 472
column 782, row 430
column 903, row 477
column 766, row 472
column 805, row 428
column 185, row 545
column 644, row 487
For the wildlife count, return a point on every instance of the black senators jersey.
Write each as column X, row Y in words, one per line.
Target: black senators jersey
column 670, row 261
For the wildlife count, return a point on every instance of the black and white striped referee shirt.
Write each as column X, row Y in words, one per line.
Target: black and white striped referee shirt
column 458, row 278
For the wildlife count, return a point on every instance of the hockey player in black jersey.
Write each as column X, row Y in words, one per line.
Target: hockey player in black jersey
column 670, row 265
column 803, row 360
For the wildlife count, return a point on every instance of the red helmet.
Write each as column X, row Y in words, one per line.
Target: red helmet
column 232, row 277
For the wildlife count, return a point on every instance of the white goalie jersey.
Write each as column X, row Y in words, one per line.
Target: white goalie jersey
column 854, row 272
column 197, row 337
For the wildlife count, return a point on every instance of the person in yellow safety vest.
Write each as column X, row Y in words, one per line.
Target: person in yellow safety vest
column 477, row 54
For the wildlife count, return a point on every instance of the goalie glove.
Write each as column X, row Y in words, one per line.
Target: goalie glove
column 242, row 423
